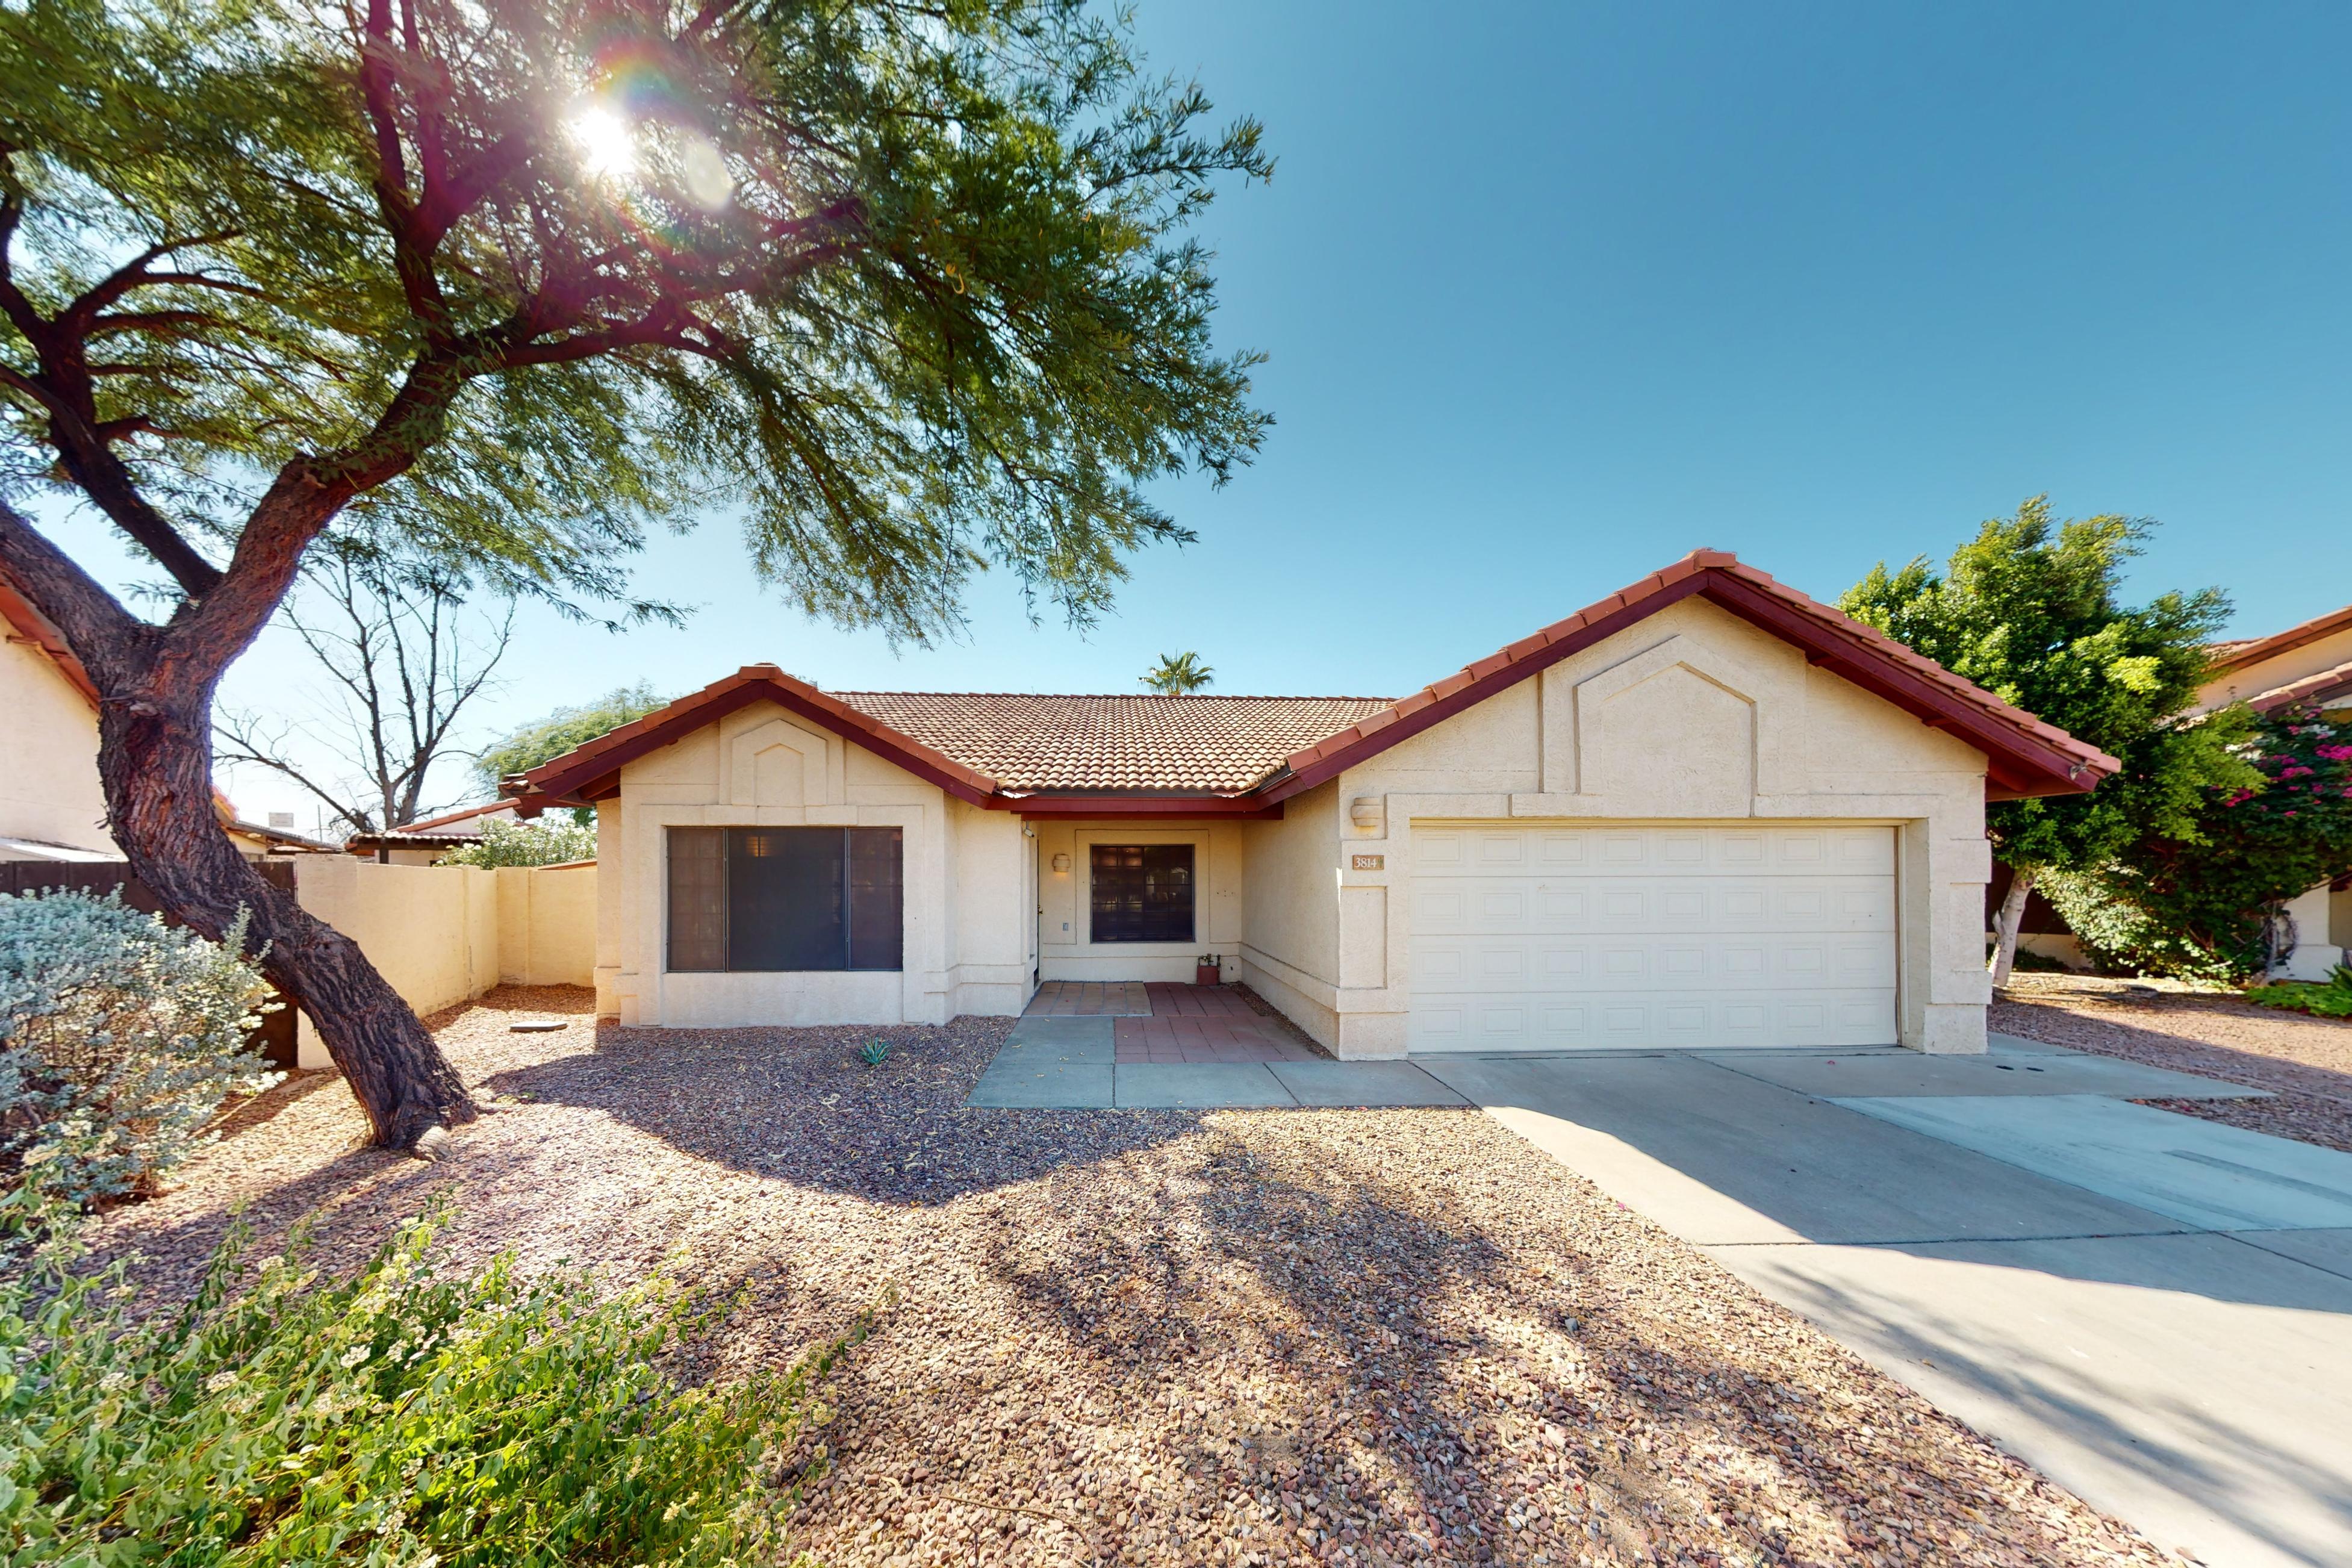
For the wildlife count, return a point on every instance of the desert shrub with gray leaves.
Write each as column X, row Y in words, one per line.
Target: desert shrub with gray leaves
column 120, row 1039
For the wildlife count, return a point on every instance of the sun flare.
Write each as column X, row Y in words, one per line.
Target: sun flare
column 607, row 142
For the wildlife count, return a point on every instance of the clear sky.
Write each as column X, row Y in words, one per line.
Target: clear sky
column 1555, row 293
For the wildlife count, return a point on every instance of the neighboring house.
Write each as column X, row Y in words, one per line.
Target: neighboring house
column 52, row 806
column 423, row 843
column 2306, row 666
column 1704, row 811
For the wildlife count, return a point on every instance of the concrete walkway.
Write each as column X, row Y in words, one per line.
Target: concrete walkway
column 2154, row 1309
column 1075, row 1064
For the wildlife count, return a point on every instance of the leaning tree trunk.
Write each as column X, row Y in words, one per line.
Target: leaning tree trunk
column 2006, row 923
column 156, row 759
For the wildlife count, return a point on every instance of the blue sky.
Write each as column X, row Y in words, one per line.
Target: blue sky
column 1556, row 293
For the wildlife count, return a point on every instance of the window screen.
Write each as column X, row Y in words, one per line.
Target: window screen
column 1142, row 892
column 786, row 899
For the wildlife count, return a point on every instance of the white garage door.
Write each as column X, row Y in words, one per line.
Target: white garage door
column 1558, row 936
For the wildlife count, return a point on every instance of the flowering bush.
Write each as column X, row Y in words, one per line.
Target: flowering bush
column 2215, row 909
column 405, row 1416
column 549, row 841
column 119, row 1037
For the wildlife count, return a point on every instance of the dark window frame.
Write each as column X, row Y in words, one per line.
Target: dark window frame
column 722, row 917
column 1132, row 904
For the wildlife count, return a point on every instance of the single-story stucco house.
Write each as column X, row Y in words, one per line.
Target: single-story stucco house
column 1706, row 811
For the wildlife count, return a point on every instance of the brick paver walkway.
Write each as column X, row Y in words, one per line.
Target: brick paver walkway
column 1157, row 1022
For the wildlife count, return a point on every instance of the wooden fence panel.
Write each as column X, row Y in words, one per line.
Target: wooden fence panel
column 273, row 1039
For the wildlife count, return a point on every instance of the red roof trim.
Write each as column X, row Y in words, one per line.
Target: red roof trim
column 2324, row 686
column 580, row 769
column 35, row 629
column 2255, row 650
column 2024, row 756
column 462, row 814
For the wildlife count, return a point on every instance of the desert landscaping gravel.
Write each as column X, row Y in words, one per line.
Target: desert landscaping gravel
column 2305, row 1061
column 1148, row 1337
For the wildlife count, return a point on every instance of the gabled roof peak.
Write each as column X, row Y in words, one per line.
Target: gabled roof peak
column 1014, row 750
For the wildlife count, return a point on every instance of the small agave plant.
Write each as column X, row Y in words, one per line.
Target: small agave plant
column 872, row 1052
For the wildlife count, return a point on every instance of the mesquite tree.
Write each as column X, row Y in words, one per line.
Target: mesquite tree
column 512, row 282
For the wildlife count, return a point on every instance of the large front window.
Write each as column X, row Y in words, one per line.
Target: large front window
column 785, row 898
column 1142, row 892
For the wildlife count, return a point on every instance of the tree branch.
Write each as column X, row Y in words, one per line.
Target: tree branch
column 109, row 640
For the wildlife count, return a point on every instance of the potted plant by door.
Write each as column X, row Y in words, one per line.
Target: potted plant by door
column 1205, row 971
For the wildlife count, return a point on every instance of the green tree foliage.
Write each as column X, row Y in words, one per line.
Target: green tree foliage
column 549, row 841
column 2032, row 611
column 412, row 1412
column 1177, row 674
column 514, row 280
column 2210, row 906
column 530, row 744
column 510, row 285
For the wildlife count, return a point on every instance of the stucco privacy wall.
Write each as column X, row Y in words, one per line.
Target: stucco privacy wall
column 432, row 931
column 547, row 924
column 1689, row 716
column 1065, row 951
column 443, row 934
column 964, row 876
column 49, row 790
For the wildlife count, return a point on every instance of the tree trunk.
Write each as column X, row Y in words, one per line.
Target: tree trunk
column 2006, row 923
column 156, row 760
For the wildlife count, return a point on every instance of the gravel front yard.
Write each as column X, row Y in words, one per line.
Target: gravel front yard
column 1161, row 1337
column 2305, row 1061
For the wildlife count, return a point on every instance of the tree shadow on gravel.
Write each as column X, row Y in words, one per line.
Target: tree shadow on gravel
column 799, row 1106
column 1408, row 1411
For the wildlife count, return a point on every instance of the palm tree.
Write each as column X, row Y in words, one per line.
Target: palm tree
column 1177, row 674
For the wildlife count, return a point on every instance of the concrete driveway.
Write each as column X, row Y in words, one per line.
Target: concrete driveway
column 2154, row 1309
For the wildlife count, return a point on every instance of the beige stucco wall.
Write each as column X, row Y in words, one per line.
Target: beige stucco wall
column 547, row 924
column 2283, row 670
column 1219, row 868
column 1290, row 946
column 1692, row 715
column 48, row 785
column 432, row 931
column 966, row 928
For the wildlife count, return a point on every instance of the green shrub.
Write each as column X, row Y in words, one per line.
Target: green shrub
column 120, row 1037
column 549, row 841
column 402, row 1415
column 2329, row 999
column 2212, row 909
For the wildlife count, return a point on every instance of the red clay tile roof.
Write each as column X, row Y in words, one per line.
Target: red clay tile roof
column 1185, row 745
column 1017, row 752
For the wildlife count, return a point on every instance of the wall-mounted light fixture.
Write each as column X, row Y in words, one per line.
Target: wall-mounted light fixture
column 1364, row 811
column 1061, row 862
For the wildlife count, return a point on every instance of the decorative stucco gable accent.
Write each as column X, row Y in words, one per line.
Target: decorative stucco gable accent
column 2023, row 756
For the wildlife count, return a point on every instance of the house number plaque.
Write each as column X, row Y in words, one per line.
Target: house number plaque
column 1371, row 862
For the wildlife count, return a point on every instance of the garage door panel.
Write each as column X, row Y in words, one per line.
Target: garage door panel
column 1479, row 906
column 1465, row 964
column 1647, row 1022
column 1557, row 937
